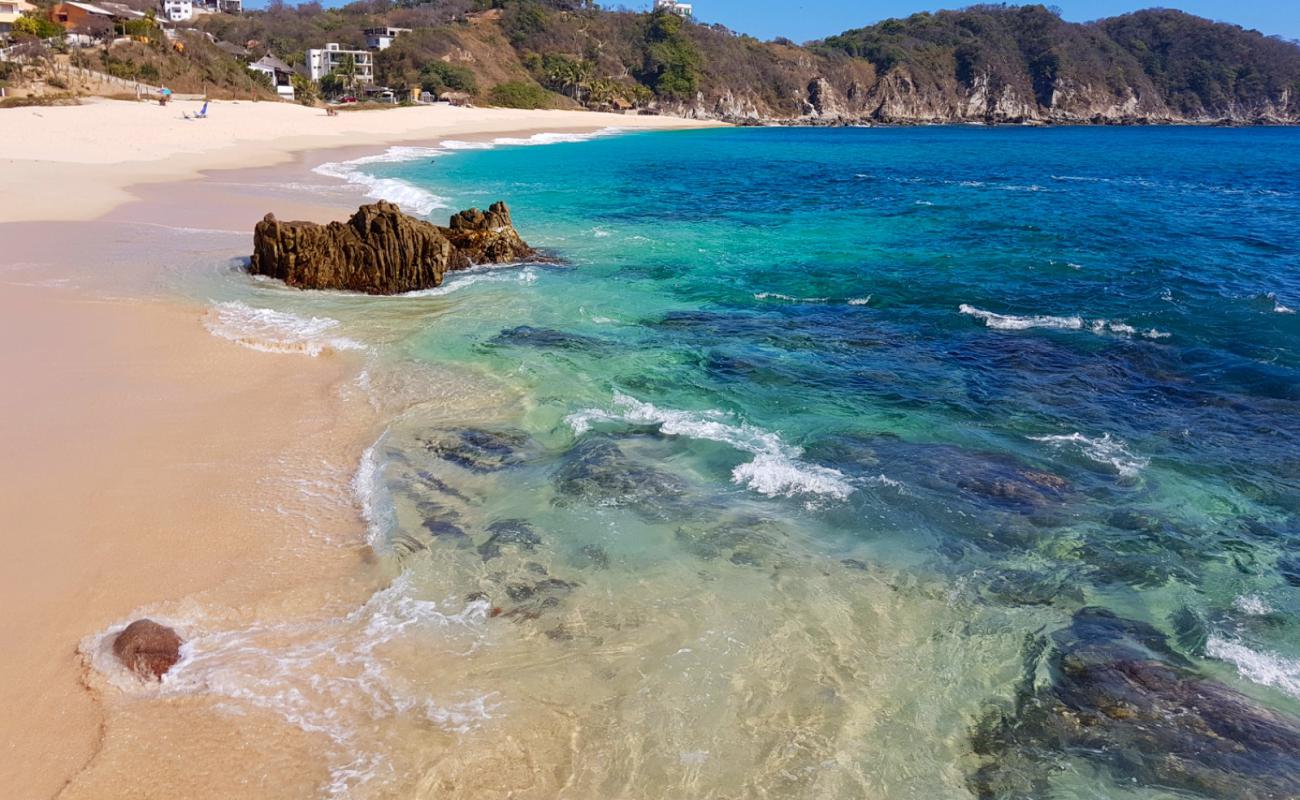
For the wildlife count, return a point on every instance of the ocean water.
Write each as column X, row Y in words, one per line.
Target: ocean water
column 758, row 485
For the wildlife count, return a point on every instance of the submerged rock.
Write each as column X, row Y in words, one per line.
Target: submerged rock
column 1020, row 587
column 514, row 533
column 380, row 250
column 745, row 541
column 597, row 471
column 546, row 338
column 147, row 648
column 477, row 449
column 1121, row 696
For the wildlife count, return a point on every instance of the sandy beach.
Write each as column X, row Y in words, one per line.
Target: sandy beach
column 78, row 162
column 110, row 378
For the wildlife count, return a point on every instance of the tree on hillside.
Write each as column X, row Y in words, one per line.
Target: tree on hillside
column 672, row 64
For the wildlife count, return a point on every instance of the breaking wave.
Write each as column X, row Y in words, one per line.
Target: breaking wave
column 1262, row 667
column 1103, row 450
column 776, row 469
column 1007, row 322
column 1011, row 322
column 788, row 298
column 273, row 331
column 409, row 196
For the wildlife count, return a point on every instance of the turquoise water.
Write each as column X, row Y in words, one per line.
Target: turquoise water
column 758, row 488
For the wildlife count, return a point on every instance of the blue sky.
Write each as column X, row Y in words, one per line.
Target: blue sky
column 802, row 20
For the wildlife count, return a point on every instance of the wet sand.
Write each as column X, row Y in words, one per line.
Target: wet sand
column 139, row 454
column 151, row 472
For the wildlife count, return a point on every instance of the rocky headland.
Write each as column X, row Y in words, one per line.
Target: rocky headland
column 381, row 250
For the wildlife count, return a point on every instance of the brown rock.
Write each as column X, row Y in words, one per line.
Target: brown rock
column 147, row 648
column 380, row 250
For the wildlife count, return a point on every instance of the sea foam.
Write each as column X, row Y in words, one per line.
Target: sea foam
column 1011, row 322
column 775, row 470
column 336, row 676
column 1007, row 322
column 420, row 201
column 273, row 331
column 409, row 196
column 372, row 496
column 1256, row 666
column 482, row 274
column 1104, row 450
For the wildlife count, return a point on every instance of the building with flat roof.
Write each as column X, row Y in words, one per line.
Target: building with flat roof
column 333, row 58
column 683, row 10
column 178, row 10
column 382, row 38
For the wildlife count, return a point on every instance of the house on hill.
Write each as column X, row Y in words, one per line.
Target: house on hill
column 178, row 10
column 10, row 11
column 382, row 38
column 683, row 10
column 82, row 17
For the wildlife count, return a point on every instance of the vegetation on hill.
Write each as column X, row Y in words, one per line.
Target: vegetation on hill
column 984, row 63
column 1194, row 66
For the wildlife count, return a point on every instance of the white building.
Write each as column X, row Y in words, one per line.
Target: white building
column 382, row 38
column 218, row 6
column 683, row 10
column 321, row 62
column 178, row 10
column 280, row 73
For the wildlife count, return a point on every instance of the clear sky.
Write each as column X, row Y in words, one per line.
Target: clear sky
column 802, row 20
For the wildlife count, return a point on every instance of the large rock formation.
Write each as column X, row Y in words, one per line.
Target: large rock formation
column 147, row 648
column 380, row 250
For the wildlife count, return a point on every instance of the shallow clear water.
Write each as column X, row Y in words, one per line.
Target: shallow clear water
column 758, row 490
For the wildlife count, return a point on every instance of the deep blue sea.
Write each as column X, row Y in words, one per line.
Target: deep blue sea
column 760, row 486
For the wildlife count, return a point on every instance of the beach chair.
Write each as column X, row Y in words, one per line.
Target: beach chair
column 202, row 112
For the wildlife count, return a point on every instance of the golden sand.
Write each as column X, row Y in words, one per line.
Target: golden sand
column 147, row 461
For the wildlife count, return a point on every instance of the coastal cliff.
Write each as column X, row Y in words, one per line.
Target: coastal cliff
column 380, row 250
column 1017, row 65
column 983, row 64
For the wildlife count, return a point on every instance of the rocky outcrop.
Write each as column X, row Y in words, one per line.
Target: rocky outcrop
column 147, row 648
column 1120, row 696
column 380, row 250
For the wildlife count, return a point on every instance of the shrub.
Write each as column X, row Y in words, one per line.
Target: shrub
column 519, row 94
column 438, row 76
column 40, row 27
column 304, row 90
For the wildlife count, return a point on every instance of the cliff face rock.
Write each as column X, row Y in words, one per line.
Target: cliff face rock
column 147, row 648
column 380, row 250
column 1005, row 64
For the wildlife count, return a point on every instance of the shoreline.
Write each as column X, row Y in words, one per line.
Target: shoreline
column 105, row 149
column 153, row 460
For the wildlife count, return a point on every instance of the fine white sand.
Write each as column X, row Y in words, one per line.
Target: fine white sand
column 78, row 162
